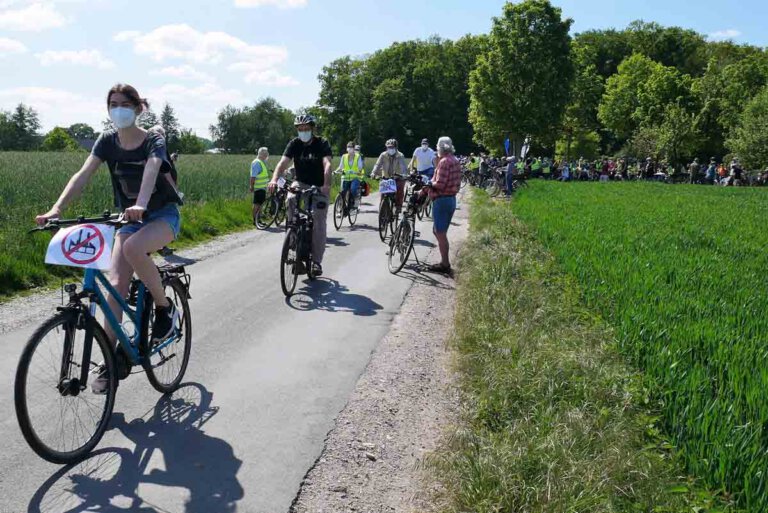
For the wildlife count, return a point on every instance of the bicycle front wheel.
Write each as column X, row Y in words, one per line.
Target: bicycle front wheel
column 167, row 361
column 385, row 214
column 338, row 211
column 428, row 208
column 61, row 418
column 491, row 187
column 289, row 260
column 353, row 211
column 400, row 245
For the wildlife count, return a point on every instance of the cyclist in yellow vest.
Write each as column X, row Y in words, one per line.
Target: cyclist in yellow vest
column 352, row 169
column 260, row 176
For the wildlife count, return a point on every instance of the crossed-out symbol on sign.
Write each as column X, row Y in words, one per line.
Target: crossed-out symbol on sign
column 83, row 246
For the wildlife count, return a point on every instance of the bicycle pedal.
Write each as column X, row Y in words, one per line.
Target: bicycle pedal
column 416, row 234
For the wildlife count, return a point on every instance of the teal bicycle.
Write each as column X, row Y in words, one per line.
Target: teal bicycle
column 61, row 418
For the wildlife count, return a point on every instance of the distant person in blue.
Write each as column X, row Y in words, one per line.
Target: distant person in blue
column 510, row 174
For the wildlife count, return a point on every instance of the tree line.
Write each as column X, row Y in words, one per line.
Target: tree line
column 20, row 131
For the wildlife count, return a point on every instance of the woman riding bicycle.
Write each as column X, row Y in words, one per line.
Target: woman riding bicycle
column 135, row 159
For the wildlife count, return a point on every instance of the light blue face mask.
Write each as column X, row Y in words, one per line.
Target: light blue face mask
column 122, row 117
column 305, row 136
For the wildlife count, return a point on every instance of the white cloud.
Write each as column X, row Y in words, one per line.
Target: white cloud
column 196, row 107
column 11, row 46
column 185, row 43
column 258, row 75
column 34, row 17
column 56, row 107
column 126, row 35
column 282, row 4
column 722, row 35
column 184, row 71
column 89, row 58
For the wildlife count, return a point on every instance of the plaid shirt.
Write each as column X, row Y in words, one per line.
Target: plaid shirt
column 447, row 180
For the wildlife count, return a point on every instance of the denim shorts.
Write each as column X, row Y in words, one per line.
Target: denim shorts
column 429, row 172
column 442, row 212
column 169, row 213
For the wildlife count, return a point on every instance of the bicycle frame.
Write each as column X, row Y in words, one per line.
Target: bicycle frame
column 91, row 281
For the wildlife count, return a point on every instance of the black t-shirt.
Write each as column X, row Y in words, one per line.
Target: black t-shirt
column 126, row 167
column 308, row 159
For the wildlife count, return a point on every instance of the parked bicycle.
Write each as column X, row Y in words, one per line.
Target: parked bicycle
column 61, row 418
column 401, row 243
column 296, row 256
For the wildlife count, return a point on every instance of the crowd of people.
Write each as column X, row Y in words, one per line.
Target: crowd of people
column 619, row 169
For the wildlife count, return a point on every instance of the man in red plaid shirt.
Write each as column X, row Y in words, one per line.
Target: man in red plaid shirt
column 445, row 185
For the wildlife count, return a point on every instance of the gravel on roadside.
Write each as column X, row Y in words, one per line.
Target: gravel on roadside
column 399, row 410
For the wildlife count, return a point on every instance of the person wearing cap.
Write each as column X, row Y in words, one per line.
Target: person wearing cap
column 424, row 159
column 391, row 164
column 442, row 191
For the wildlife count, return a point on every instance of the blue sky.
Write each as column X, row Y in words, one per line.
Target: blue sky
column 61, row 56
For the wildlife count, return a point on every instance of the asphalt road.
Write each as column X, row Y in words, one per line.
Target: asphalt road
column 266, row 379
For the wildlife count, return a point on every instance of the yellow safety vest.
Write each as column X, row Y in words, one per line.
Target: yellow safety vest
column 351, row 172
column 262, row 179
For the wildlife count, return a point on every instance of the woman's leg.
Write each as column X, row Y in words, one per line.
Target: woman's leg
column 120, row 275
column 137, row 250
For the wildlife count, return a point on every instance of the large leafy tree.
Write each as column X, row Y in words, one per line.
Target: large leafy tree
column 750, row 138
column 522, row 81
column 189, row 142
column 82, row 131
column 19, row 128
column 59, row 139
column 245, row 129
column 148, row 119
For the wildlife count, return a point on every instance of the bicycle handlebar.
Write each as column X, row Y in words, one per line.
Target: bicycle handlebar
column 107, row 218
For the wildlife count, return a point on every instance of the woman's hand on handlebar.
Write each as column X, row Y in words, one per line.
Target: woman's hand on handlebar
column 134, row 214
column 53, row 213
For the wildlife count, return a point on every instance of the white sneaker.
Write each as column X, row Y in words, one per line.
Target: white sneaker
column 100, row 384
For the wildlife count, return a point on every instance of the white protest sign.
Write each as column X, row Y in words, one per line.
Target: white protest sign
column 387, row 186
column 86, row 245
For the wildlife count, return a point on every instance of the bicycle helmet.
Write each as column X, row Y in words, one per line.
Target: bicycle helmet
column 305, row 119
column 391, row 142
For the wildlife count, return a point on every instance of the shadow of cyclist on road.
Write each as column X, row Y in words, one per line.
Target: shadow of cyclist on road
column 329, row 295
column 171, row 451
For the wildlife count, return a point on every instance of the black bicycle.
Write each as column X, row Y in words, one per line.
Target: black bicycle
column 274, row 208
column 346, row 206
column 387, row 208
column 296, row 257
column 401, row 243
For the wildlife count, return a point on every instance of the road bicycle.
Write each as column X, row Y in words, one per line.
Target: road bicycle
column 296, row 256
column 61, row 418
column 346, row 206
column 401, row 242
column 387, row 208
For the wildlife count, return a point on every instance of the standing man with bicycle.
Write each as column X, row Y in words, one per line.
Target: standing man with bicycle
column 311, row 157
column 259, row 181
column 391, row 164
column 425, row 160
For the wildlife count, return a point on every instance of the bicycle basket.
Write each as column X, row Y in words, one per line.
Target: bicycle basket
column 388, row 187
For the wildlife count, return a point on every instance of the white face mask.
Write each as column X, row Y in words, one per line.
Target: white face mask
column 425, row 147
column 305, row 136
column 351, row 151
column 391, row 151
column 122, row 117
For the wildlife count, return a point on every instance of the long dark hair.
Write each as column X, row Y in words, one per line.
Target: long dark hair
column 131, row 93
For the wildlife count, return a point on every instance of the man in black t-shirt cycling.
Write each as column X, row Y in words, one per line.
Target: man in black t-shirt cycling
column 311, row 157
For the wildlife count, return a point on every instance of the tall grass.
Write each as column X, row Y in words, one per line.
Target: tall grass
column 216, row 197
column 680, row 272
column 554, row 420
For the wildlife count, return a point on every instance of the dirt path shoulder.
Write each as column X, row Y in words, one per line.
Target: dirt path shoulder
column 399, row 410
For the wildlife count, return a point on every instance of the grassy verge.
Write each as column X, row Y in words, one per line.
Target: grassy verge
column 553, row 420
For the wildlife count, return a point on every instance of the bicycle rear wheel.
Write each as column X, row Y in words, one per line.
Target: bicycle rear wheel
column 491, row 187
column 266, row 215
column 428, row 208
column 280, row 213
column 289, row 262
column 61, row 419
column 338, row 211
column 167, row 361
column 385, row 215
column 400, row 246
